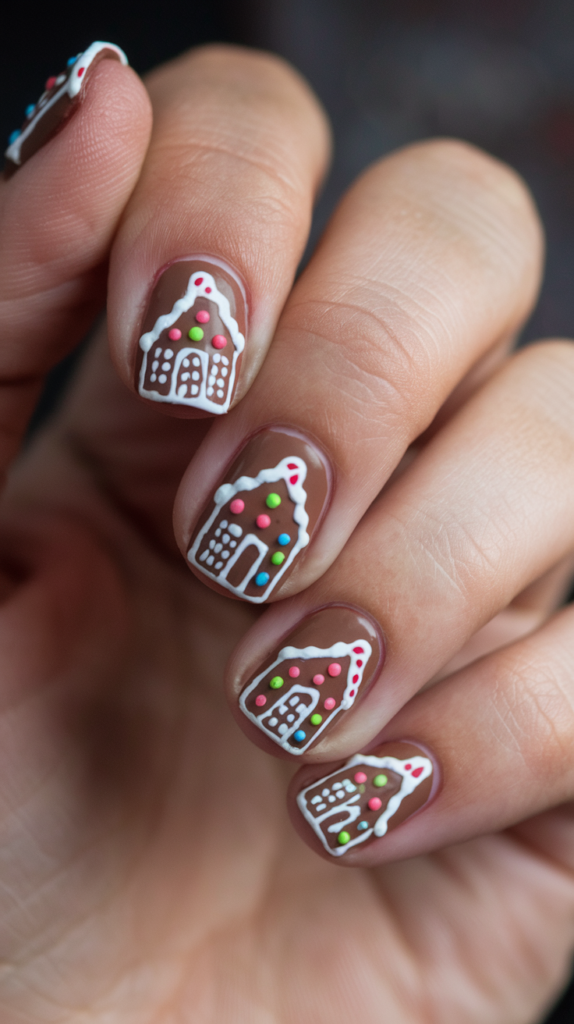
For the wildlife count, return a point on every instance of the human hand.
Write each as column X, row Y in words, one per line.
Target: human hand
column 149, row 872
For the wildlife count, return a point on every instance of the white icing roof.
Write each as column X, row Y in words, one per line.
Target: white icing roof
column 207, row 289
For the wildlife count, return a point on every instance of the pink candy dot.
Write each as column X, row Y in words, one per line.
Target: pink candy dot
column 237, row 506
column 261, row 701
column 294, row 672
column 318, row 679
column 360, row 777
column 408, row 767
column 51, row 82
column 202, row 317
column 334, row 669
column 263, row 521
column 219, row 341
column 417, row 772
column 174, row 334
column 207, row 291
column 329, row 704
column 358, row 650
column 374, row 803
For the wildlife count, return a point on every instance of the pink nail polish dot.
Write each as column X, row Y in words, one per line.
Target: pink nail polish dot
column 261, row 701
column 219, row 341
column 360, row 777
column 202, row 317
column 263, row 521
column 237, row 506
column 334, row 669
column 329, row 703
column 374, row 803
column 318, row 679
column 174, row 334
column 294, row 672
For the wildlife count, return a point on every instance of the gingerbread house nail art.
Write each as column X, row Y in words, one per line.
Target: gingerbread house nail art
column 366, row 798
column 59, row 99
column 301, row 692
column 190, row 355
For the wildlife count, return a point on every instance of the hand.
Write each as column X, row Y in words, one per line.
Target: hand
column 149, row 872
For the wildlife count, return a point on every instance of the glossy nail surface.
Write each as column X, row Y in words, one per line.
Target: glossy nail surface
column 311, row 681
column 193, row 336
column 262, row 516
column 61, row 97
column 370, row 795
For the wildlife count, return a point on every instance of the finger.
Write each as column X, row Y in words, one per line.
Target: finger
column 432, row 258
column 484, row 510
column 58, row 213
column 495, row 741
column 211, row 239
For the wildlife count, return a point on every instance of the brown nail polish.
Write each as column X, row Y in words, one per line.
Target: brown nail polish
column 193, row 337
column 370, row 795
column 61, row 97
column 262, row 516
column 311, row 680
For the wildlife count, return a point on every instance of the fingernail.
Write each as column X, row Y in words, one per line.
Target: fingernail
column 257, row 524
column 193, row 337
column 310, row 682
column 369, row 796
column 61, row 97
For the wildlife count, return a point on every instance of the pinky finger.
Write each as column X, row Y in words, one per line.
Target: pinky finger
column 483, row 750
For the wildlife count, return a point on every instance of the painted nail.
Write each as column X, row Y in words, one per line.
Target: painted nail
column 370, row 795
column 262, row 515
column 308, row 683
column 61, row 97
column 193, row 336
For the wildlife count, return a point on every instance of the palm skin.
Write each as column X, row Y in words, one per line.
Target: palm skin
column 149, row 870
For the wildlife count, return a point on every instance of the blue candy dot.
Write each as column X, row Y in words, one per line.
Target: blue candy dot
column 30, row 110
column 13, row 136
column 283, row 539
column 299, row 736
column 362, row 826
column 71, row 60
column 261, row 579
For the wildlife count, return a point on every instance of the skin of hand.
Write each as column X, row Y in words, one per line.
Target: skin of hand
column 149, row 871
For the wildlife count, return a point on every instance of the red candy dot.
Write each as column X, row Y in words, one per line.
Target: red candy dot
column 417, row 772
column 174, row 334
column 294, row 672
column 202, row 317
column 330, row 704
column 374, row 803
column 292, row 465
column 51, row 82
column 355, row 679
column 358, row 650
column 334, row 669
column 359, row 663
column 352, row 693
column 318, row 679
column 198, row 280
column 408, row 767
column 81, row 72
column 261, row 701
column 263, row 521
column 237, row 506
column 360, row 777
column 219, row 341
column 293, row 479
column 207, row 291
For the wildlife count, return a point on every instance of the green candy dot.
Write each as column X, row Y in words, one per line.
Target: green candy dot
column 278, row 558
column 316, row 719
column 273, row 500
column 380, row 780
column 343, row 838
column 196, row 333
column 276, row 683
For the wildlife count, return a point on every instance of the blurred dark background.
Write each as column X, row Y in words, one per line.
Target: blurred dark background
column 499, row 73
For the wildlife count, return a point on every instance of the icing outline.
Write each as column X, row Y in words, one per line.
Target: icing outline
column 166, row 320
column 225, row 493
column 408, row 786
column 337, row 650
column 71, row 86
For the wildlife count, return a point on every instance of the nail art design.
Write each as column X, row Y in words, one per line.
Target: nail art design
column 368, row 797
column 262, row 516
column 61, row 96
column 193, row 337
column 304, row 688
